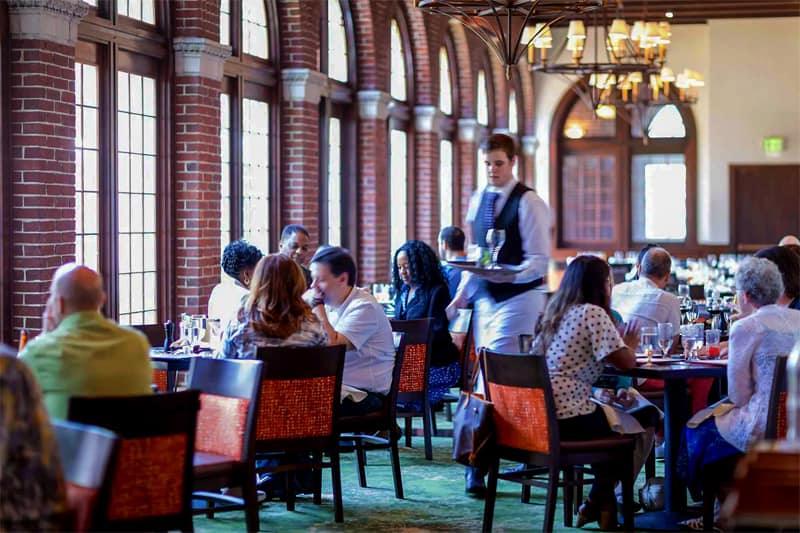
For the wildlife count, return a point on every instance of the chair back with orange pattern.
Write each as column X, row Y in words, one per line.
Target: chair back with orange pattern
column 229, row 393
column 416, row 358
column 86, row 453
column 524, row 410
column 161, row 379
column 151, row 480
column 461, row 333
column 776, row 414
column 300, row 396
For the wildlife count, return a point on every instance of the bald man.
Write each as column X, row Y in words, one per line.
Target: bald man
column 80, row 352
column 789, row 240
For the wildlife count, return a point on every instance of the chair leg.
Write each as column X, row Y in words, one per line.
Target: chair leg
column 250, row 503
column 290, row 496
column 448, row 412
column 317, row 476
column 650, row 465
column 578, row 489
column 427, row 429
column 210, row 504
column 407, row 431
column 552, row 496
column 396, row 475
column 627, row 496
column 433, row 421
column 491, row 495
column 569, row 495
column 709, row 495
column 361, row 460
column 336, row 481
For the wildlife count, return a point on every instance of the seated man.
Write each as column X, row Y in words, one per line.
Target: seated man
column 645, row 299
column 80, row 352
column 31, row 483
column 239, row 260
column 451, row 247
column 295, row 243
column 353, row 317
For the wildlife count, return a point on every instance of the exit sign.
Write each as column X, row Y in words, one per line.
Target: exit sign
column 773, row 145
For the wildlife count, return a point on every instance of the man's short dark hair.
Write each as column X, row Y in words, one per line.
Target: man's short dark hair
column 646, row 248
column 500, row 141
column 239, row 256
column 453, row 237
column 339, row 261
column 656, row 263
column 788, row 263
column 291, row 229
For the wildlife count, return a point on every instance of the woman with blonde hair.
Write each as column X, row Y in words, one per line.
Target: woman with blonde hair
column 274, row 313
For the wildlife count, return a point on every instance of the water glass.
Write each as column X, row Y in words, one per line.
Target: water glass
column 699, row 339
column 198, row 329
column 495, row 239
column 648, row 339
column 683, row 291
column 687, row 339
column 712, row 343
column 666, row 335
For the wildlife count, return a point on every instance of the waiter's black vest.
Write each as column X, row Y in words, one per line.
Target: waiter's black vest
column 511, row 252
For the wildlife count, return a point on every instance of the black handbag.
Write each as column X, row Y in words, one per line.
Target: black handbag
column 473, row 427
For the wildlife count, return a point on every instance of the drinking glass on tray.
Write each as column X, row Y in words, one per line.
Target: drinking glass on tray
column 648, row 338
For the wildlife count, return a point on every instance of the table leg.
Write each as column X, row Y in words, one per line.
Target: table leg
column 676, row 414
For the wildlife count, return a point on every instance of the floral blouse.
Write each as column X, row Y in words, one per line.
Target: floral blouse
column 240, row 341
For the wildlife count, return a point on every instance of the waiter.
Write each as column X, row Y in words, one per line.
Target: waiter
column 507, row 304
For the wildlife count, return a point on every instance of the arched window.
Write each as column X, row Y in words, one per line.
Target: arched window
column 445, row 83
column 248, row 127
column 121, row 178
column 513, row 113
column 399, row 125
column 607, row 168
column 447, row 127
column 337, row 177
column 482, row 100
column 225, row 22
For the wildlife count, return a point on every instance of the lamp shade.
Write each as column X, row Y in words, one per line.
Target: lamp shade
column 667, row 74
column 637, row 32
column 652, row 35
column 618, row 30
column 665, row 33
column 544, row 37
column 576, row 35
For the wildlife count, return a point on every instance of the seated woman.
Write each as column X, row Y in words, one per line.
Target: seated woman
column 767, row 331
column 274, row 313
column 421, row 292
column 578, row 337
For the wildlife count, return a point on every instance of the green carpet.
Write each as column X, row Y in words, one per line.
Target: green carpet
column 434, row 499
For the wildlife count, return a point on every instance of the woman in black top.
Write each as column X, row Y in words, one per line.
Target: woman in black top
column 421, row 292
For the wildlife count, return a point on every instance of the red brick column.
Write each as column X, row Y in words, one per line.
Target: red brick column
column 526, row 169
column 42, row 131
column 426, row 174
column 199, row 62
column 373, row 187
column 467, row 163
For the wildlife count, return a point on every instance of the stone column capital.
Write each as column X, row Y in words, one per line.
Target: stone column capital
column 427, row 118
column 529, row 145
column 373, row 103
column 304, row 85
column 198, row 56
column 468, row 130
column 49, row 20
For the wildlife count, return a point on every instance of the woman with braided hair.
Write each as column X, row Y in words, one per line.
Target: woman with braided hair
column 421, row 292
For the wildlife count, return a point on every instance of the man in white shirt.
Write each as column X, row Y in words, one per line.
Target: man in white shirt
column 353, row 317
column 239, row 260
column 507, row 304
column 645, row 299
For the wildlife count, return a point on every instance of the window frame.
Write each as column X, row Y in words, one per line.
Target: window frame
column 448, row 128
column 115, row 42
column 6, row 255
column 624, row 146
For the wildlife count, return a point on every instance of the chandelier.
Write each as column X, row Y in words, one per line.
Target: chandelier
column 502, row 24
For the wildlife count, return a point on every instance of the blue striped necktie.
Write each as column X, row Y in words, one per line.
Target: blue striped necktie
column 488, row 214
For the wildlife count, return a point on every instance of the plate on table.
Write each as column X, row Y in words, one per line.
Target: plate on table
column 470, row 266
column 713, row 362
column 641, row 359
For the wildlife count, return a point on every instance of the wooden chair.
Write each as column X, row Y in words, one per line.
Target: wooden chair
column 163, row 379
column 359, row 432
column 719, row 474
column 224, row 453
column 153, row 332
column 151, row 480
column 414, row 378
column 298, row 412
column 87, row 454
column 527, row 432
column 461, row 333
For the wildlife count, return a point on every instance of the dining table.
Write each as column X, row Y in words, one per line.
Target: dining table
column 677, row 411
column 172, row 363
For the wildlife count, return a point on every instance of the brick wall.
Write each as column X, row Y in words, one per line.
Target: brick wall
column 42, row 134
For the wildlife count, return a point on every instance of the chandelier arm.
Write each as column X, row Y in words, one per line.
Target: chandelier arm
column 464, row 18
column 498, row 31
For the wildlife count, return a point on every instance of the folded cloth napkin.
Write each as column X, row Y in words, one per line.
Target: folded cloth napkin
column 353, row 393
column 717, row 409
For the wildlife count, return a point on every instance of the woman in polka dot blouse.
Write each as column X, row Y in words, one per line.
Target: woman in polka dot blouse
column 578, row 337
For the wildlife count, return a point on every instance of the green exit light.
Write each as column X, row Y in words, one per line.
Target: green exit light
column 773, row 145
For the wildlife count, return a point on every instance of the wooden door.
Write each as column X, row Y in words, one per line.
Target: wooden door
column 764, row 204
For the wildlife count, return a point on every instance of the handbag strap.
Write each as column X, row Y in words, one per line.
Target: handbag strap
column 474, row 377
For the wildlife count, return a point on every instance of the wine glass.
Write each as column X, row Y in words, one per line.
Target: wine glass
column 666, row 335
column 687, row 339
column 683, row 291
column 495, row 239
column 198, row 329
column 699, row 340
column 648, row 338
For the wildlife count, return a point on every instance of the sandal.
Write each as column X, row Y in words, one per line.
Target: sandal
column 696, row 524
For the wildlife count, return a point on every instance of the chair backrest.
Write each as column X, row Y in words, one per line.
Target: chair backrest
column 151, row 482
column 160, row 375
column 153, row 332
column 524, row 409
column 229, row 393
column 776, row 414
column 416, row 359
column 87, row 453
column 300, row 396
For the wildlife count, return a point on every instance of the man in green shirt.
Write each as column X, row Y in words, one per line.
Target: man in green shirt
column 80, row 352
